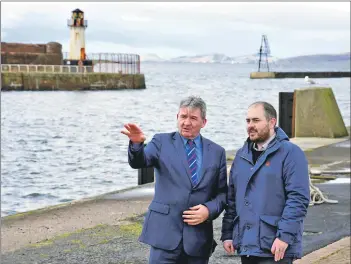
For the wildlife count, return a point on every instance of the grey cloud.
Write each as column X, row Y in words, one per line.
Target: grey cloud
column 196, row 28
column 292, row 16
column 273, row 15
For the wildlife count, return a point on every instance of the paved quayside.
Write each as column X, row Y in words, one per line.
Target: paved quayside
column 104, row 229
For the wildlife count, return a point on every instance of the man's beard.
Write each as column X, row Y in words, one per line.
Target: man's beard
column 262, row 135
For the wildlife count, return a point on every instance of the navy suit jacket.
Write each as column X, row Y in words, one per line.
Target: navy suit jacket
column 163, row 226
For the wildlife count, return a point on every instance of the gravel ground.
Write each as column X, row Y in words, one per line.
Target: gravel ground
column 103, row 244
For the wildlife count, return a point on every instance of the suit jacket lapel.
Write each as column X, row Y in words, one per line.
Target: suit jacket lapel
column 179, row 146
column 206, row 147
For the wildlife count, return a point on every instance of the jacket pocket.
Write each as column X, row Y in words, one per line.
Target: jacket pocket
column 268, row 230
column 158, row 218
column 159, row 207
column 161, row 228
column 236, row 234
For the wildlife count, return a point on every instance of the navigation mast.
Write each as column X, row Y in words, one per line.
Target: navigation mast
column 264, row 52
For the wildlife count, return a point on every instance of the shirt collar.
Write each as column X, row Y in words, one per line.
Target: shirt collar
column 197, row 140
column 265, row 145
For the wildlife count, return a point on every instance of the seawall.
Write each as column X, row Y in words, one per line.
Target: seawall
column 27, row 81
column 279, row 75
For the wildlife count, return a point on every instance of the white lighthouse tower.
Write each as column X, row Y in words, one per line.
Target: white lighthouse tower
column 77, row 25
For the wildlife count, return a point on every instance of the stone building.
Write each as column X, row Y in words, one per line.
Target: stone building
column 39, row 54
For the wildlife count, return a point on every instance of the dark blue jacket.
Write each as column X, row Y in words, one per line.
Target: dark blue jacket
column 164, row 227
column 267, row 200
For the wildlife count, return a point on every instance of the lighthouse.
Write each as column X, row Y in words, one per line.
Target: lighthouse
column 77, row 53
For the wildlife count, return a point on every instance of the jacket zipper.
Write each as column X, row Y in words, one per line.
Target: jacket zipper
column 256, row 160
column 246, row 160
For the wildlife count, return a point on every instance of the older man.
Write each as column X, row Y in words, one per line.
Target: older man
column 190, row 187
column 268, row 193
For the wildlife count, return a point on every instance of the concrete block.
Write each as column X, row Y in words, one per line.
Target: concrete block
column 317, row 114
column 261, row 75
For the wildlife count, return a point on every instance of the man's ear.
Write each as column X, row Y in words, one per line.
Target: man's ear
column 204, row 123
column 273, row 122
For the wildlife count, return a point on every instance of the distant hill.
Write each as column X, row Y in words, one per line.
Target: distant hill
column 218, row 58
column 245, row 59
column 151, row 57
column 205, row 58
column 318, row 58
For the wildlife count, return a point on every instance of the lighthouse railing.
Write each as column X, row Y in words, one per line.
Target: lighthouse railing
column 122, row 63
column 101, row 62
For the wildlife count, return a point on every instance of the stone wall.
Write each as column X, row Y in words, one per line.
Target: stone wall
column 18, row 81
column 19, row 53
column 23, row 48
column 31, row 58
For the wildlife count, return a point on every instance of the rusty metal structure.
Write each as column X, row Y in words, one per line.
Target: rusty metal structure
column 264, row 51
column 113, row 62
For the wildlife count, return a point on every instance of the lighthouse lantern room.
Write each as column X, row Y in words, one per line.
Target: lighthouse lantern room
column 77, row 52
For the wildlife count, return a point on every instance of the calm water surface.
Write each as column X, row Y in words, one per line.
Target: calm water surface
column 61, row 146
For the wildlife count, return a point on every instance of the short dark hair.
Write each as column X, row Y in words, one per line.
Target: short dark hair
column 269, row 110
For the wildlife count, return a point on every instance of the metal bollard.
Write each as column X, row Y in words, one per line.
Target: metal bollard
column 286, row 113
column 145, row 175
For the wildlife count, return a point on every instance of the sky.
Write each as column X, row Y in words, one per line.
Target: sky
column 185, row 29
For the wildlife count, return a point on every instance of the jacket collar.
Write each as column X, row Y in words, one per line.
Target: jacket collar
column 280, row 136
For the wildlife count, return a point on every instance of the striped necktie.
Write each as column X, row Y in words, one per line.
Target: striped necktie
column 191, row 156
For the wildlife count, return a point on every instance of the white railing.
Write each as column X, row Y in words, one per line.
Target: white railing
column 46, row 68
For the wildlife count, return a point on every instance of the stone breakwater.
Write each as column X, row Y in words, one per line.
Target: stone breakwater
column 23, row 81
column 39, row 67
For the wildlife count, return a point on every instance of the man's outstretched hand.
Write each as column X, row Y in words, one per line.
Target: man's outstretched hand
column 134, row 133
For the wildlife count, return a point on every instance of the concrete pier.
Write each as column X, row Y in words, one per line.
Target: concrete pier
column 59, row 81
column 280, row 75
column 44, row 67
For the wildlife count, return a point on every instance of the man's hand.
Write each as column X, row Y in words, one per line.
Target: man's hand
column 228, row 246
column 134, row 133
column 196, row 215
column 278, row 249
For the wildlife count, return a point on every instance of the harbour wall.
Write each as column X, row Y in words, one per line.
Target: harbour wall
column 29, row 81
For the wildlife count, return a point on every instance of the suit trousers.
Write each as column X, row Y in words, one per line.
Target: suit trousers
column 261, row 260
column 177, row 256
